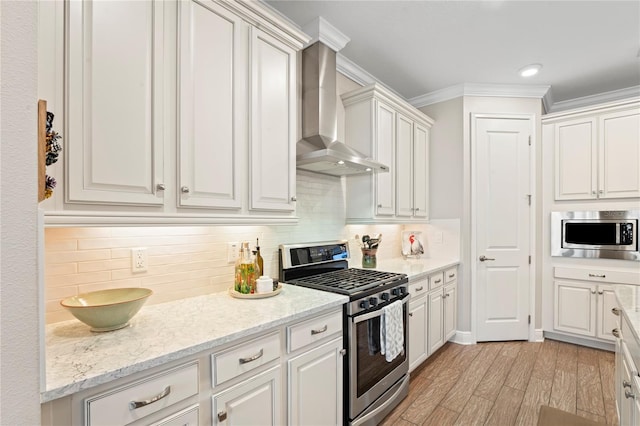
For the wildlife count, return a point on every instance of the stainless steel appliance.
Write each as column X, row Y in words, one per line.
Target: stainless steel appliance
column 611, row 234
column 373, row 386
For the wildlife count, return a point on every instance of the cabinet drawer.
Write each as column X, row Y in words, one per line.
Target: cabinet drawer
column 244, row 357
column 436, row 280
column 315, row 329
column 154, row 393
column 600, row 275
column 450, row 275
column 418, row 288
column 187, row 417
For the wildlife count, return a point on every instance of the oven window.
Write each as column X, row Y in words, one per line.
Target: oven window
column 590, row 233
column 371, row 364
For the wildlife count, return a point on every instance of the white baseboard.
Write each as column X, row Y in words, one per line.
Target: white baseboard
column 538, row 335
column 463, row 338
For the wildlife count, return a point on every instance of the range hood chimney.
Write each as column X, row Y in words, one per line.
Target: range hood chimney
column 319, row 150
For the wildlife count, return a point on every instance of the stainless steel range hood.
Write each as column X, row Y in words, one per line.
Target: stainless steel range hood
column 319, row 150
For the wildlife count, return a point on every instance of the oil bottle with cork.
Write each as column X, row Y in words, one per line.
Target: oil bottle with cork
column 247, row 271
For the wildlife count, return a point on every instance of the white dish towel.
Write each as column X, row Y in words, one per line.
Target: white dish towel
column 392, row 331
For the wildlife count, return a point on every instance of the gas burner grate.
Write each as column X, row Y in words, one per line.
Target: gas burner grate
column 348, row 281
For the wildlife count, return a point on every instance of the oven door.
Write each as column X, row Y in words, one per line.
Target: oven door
column 370, row 375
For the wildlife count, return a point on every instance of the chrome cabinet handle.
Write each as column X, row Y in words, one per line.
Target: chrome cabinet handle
column 485, row 258
column 420, row 288
column 379, row 206
column 437, row 281
column 137, row 404
column 615, row 311
column 160, row 187
column 410, row 314
column 600, row 292
column 184, row 189
column 626, row 384
column 615, row 332
column 597, row 275
column 601, row 191
column 343, row 352
column 452, row 275
column 629, row 395
column 593, row 292
column 222, row 416
column 417, row 208
column 251, row 358
column 319, row 331
column 294, row 199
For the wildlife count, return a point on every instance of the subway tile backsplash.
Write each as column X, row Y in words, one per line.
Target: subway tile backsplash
column 187, row 261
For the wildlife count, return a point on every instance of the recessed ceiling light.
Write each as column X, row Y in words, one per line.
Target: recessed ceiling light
column 530, row 70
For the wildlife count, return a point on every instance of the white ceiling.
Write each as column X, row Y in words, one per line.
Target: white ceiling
column 420, row 47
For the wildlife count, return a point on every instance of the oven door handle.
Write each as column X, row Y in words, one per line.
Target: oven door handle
column 373, row 314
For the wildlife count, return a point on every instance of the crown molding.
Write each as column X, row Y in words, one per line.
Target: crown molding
column 353, row 71
column 481, row 89
column 600, row 98
column 321, row 30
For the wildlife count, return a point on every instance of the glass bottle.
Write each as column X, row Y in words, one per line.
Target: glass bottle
column 259, row 258
column 245, row 273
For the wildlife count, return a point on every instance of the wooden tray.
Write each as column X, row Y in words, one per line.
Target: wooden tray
column 238, row 295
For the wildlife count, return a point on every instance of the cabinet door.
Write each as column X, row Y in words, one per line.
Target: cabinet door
column 434, row 325
column 619, row 155
column 420, row 172
column 255, row 401
column 418, row 350
column 211, row 104
column 404, row 167
column 385, row 153
column 576, row 160
column 575, row 308
column 272, row 136
column 450, row 311
column 627, row 396
column 315, row 386
column 114, row 84
column 607, row 320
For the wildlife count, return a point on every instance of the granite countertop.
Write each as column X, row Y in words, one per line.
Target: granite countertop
column 414, row 268
column 78, row 359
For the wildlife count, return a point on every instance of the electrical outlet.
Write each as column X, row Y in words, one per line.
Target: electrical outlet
column 233, row 251
column 139, row 259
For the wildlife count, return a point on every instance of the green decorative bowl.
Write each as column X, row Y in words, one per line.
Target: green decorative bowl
column 107, row 310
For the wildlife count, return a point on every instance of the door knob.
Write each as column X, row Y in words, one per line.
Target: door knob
column 484, row 258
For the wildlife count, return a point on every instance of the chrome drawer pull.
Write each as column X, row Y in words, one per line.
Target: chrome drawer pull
column 137, row 404
column 628, row 394
column 322, row 330
column 410, row 314
column 597, row 275
column 452, row 275
column 615, row 332
column 626, row 384
column 222, row 416
column 251, row 358
column 420, row 288
column 615, row 311
column 437, row 281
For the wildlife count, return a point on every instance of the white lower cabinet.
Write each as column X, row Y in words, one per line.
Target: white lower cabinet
column 188, row 417
column 315, row 385
column 627, row 380
column 432, row 314
column 254, row 401
column 418, row 350
column 584, row 307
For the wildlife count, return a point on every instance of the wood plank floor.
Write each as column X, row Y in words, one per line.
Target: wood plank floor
column 505, row 383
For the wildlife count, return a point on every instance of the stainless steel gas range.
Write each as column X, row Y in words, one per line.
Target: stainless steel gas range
column 373, row 385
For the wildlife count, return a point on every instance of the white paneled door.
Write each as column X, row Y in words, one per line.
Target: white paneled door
column 503, row 219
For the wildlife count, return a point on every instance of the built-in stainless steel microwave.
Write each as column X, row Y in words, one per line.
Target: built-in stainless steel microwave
column 611, row 234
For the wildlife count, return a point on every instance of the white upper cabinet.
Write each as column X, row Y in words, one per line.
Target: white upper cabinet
column 177, row 111
column 597, row 153
column 273, row 124
column 380, row 124
column 114, row 82
column 212, row 100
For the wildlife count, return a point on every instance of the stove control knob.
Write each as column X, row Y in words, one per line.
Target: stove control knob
column 397, row 291
column 384, row 296
column 373, row 301
column 364, row 304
